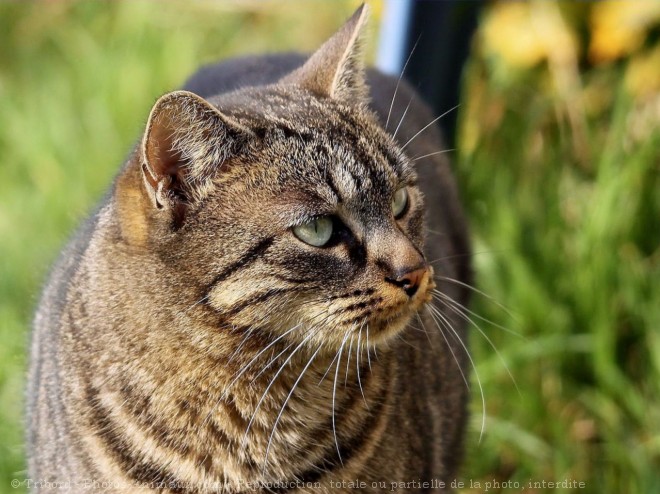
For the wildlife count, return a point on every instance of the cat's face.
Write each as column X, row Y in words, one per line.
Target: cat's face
column 287, row 207
column 320, row 225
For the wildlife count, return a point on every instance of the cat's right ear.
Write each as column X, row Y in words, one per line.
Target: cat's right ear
column 186, row 142
column 336, row 69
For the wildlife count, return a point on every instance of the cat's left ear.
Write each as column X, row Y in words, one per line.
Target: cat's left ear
column 186, row 142
column 336, row 70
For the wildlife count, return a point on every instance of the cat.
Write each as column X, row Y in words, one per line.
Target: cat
column 251, row 307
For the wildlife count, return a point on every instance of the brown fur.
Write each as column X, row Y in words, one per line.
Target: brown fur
column 185, row 314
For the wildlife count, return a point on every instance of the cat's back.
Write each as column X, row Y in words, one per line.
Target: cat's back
column 46, row 416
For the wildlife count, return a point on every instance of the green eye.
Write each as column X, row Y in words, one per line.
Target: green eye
column 316, row 232
column 399, row 202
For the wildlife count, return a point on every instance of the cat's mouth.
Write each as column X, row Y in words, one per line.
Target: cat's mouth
column 391, row 318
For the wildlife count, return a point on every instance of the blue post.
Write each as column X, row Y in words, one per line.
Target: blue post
column 442, row 31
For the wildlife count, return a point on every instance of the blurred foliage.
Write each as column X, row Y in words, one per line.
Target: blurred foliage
column 558, row 162
column 560, row 169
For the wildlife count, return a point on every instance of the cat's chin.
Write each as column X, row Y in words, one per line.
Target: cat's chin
column 383, row 329
column 386, row 329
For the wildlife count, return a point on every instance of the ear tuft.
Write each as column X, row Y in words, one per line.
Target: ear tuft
column 336, row 70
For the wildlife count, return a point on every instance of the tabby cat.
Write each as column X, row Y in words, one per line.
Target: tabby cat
column 251, row 307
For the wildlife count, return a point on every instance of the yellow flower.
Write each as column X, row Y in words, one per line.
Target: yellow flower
column 523, row 34
column 619, row 27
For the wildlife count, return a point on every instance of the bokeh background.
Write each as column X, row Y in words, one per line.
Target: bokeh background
column 558, row 159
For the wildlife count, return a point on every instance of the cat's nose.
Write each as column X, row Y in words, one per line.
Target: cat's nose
column 409, row 280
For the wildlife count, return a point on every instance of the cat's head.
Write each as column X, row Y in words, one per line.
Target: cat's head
column 284, row 206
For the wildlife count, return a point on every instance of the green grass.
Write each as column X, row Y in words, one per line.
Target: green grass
column 570, row 235
column 566, row 231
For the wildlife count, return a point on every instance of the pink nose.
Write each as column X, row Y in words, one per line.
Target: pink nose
column 409, row 281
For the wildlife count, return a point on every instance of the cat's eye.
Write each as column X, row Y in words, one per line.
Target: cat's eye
column 399, row 202
column 316, row 232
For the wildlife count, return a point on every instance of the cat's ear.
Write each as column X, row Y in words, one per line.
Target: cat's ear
column 336, row 70
column 186, row 141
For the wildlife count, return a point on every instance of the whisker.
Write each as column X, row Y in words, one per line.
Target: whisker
column 328, row 369
column 279, row 415
column 478, row 316
column 263, row 396
column 432, row 154
column 465, row 254
column 248, row 333
column 348, row 359
column 243, row 371
column 419, row 318
column 476, row 290
column 368, row 349
column 320, row 324
column 436, row 232
column 200, row 301
column 452, row 305
column 413, row 327
column 398, row 82
column 451, row 350
column 433, row 310
column 402, row 117
column 407, row 342
column 271, row 362
column 357, row 366
column 427, row 126
column 334, row 393
column 261, row 352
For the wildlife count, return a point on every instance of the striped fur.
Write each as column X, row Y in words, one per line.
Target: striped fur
column 187, row 341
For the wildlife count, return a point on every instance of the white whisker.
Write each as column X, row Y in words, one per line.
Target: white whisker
column 451, row 350
column 432, row 154
column 334, row 393
column 358, row 350
column 458, row 309
column 243, row 371
column 465, row 254
column 407, row 342
column 419, row 318
column 484, row 319
column 261, row 352
column 201, row 300
column 348, row 359
column 427, row 126
column 279, row 415
column 433, row 310
column 328, row 369
column 476, row 290
column 248, row 333
column 401, row 119
column 398, row 82
column 263, row 396
column 271, row 362
column 368, row 349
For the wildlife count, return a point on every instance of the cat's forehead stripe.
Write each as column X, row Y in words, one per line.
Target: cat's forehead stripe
column 334, row 189
column 349, row 175
column 347, row 183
